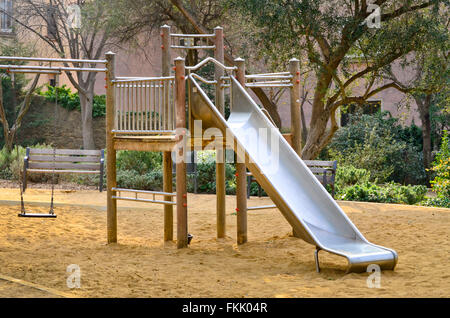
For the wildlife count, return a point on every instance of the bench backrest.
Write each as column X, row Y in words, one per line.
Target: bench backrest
column 319, row 167
column 73, row 159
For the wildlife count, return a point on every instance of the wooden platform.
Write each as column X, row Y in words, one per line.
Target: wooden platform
column 164, row 142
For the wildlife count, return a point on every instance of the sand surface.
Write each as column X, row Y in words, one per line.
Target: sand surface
column 271, row 264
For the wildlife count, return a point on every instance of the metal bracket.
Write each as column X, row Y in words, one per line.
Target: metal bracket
column 316, row 258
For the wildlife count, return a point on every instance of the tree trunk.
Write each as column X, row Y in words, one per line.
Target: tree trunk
column 424, row 111
column 317, row 137
column 315, row 141
column 268, row 105
column 86, row 103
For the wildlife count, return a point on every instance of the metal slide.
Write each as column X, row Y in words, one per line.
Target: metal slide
column 296, row 192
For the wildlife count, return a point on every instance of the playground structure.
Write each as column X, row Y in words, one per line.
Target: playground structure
column 150, row 114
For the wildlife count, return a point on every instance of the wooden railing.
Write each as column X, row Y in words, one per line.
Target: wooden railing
column 144, row 105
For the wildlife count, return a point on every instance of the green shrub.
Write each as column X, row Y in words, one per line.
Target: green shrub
column 11, row 167
column 206, row 169
column 99, row 106
column 139, row 161
column 379, row 144
column 349, row 175
column 441, row 166
column 131, row 179
column 389, row 193
column 438, row 202
column 71, row 101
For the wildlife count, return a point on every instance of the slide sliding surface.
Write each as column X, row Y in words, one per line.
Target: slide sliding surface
column 296, row 192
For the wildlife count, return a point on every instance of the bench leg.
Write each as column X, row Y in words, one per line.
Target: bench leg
column 24, row 179
column 100, row 182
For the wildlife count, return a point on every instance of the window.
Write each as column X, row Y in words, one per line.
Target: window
column 6, row 11
column 368, row 108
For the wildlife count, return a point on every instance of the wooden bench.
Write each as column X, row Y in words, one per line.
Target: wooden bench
column 324, row 171
column 64, row 161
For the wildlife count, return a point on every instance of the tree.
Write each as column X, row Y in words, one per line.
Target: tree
column 430, row 84
column 189, row 16
column 10, row 132
column 48, row 22
column 343, row 44
column 11, row 92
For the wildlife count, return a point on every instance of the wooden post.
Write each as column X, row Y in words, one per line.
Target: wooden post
column 180, row 104
column 294, row 69
column 168, row 187
column 111, row 179
column 241, row 175
column 167, row 158
column 220, row 153
column 165, row 50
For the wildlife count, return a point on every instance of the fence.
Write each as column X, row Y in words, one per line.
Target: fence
column 144, row 105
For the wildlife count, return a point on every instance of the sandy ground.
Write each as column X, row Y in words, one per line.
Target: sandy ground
column 272, row 264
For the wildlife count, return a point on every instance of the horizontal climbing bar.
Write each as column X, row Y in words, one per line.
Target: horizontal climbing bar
column 198, row 47
column 142, row 79
column 263, row 207
column 144, row 200
column 172, row 194
column 34, row 72
column 268, row 76
column 192, row 35
column 49, row 68
column 272, row 82
column 267, row 85
column 40, row 59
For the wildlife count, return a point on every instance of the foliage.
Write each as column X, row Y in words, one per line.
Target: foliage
column 441, row 166
column 131, row 179
column 330, row 37
column 349, row 175
column 439, row 202
column 379, row 144
column 63, row 95
column 139, row 161
column 206, row 168
column 390, row 193
column 71, row 101
column 11, row 167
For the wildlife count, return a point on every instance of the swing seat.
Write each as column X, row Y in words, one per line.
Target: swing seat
column 37, row 215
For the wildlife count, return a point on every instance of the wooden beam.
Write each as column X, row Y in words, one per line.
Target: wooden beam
column 241, row 175
column 294, row 69
column 220, row 153
column 111, row 178
column 180, row 104
column 167, row 187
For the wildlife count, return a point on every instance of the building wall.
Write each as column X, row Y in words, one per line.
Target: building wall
column 147, row 62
